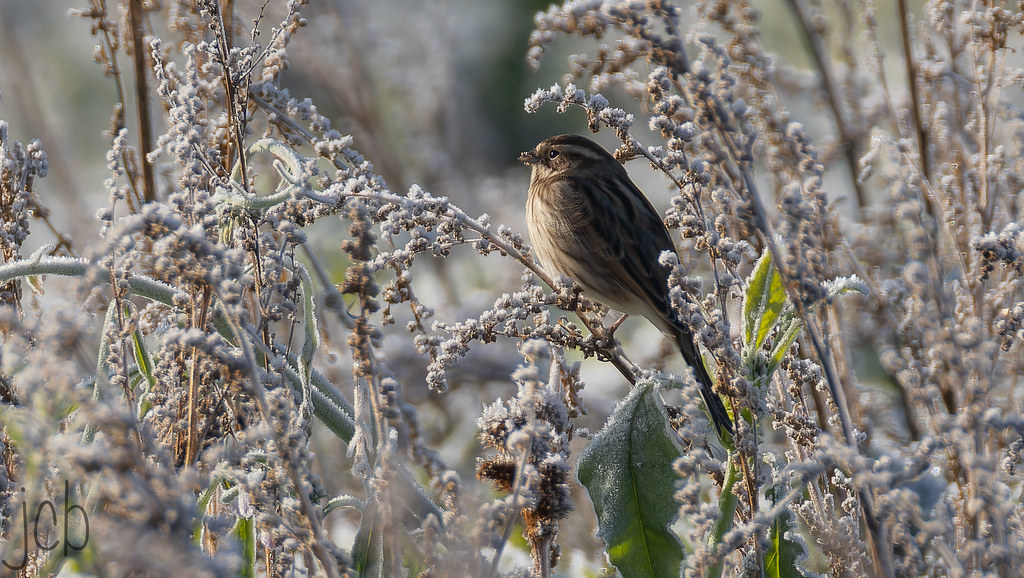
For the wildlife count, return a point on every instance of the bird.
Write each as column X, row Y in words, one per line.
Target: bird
column 587, row 220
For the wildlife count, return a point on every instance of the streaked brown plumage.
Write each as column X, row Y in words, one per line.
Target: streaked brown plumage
column 587, row 220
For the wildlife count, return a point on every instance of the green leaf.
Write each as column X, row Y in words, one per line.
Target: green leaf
column 102, row 368
column 145, row 365
column 765, row 308
column 142, row 358
column 842, row 285
column 368, row 552
column 202, row 503
column 627, row 471
column 763, row 303
column 787, row 335
column 782, row 558
column 727, row 503
column 245, row 533
column 311, row 328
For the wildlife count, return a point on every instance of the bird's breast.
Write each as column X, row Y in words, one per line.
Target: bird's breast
column 566, row 242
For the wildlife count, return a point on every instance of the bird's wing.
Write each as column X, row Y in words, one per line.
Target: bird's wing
column 629, row 259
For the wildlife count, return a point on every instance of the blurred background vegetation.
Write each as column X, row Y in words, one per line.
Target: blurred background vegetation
column 433, row 91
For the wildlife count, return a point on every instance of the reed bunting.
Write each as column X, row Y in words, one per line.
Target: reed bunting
column 587, row 220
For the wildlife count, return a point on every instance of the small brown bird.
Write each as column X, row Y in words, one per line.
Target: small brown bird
column 587, row 220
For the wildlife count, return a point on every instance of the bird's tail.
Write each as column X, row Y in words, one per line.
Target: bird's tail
column 716, row 409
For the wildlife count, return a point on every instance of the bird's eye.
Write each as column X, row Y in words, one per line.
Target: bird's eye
column 552, row 154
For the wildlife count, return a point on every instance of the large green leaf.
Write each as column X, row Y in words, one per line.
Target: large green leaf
column 627, row 471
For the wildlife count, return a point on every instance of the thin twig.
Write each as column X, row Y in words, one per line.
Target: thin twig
column 920, row 134
column 141, row 62
column 849, row 143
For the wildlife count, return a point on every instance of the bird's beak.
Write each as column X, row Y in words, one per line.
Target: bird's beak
column 529, row 157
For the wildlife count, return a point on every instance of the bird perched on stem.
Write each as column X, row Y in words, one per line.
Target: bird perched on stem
column 587, row 220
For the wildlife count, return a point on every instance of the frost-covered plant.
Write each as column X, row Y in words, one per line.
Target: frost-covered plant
column 216, row 395
column 929, row 493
